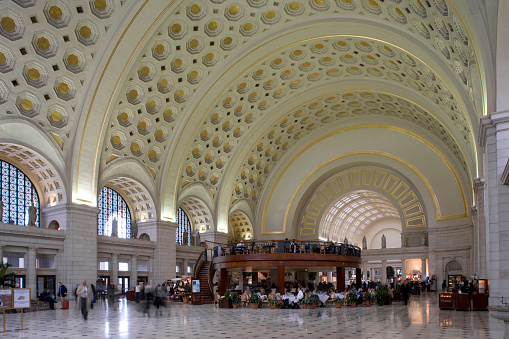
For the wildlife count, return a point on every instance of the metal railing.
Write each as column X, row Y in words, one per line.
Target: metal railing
column 286, row 246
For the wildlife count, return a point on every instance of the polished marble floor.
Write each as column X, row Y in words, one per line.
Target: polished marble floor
column 420, row 319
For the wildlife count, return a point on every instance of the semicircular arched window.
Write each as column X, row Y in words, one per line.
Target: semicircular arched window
column 113, row 211
column 17, row 194
column 184, row 228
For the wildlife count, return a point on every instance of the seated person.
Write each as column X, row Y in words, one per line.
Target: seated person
column 47, row 296
column 300, row 295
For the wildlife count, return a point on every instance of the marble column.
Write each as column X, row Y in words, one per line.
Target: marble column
column 114, row 269
column 423, row 269
column 31, row 271
column 134, row 270
column 364, row 270
column 384, row 272
column 329, row 277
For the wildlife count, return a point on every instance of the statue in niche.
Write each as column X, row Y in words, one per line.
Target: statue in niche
column 185, row 238
column 384, row 241
column 403, row 242
column 345, row 241
column 114, row 227
column 134, row 230
column 424, row 238
column 32, row 215
column 197, row 240
column 364, row 243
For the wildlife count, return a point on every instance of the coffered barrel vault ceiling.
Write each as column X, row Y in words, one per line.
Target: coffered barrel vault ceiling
column 221, row 93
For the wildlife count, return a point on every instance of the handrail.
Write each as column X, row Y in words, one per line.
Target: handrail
column 198, row 265
column 288, row 246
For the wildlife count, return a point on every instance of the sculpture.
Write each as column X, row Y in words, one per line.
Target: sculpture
column 384, row 241
column 345, row 241
column 134, row 230
column 185, row 238
column 114, row 227
column 32, row 215
column 364, row 243
column 197, row 240
column 424, row 236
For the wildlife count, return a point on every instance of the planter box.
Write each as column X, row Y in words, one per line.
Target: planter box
column 225, row 304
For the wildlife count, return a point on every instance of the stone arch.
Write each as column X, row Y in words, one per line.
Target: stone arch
column 54, row 225
column 453, row 267
column 45, row 176
column 241, row 226
column 144, row 236
column 392, row 185
column 199, row 214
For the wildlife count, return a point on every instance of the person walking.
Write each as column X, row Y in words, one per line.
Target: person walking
column 137, row 292
column 84, row 299
column 62, row 291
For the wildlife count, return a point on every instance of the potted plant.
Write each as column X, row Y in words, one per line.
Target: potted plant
column 272, row 303
column 235, row 299
column 338, row 302
column 254, row 300
column 383, row 297
column 368, row 298
column 304, row 302
column 187, row 293
column 313, row 301
column 224, row 301
column 351, row 298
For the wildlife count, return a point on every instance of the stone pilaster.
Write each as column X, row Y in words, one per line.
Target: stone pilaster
column 134, row 270
column 403, row 269
column 164, row 262
column 114, row 269
column 31, row 271
column 384, row 272
column 479, row 219
column 79, row 222
column 494, row 139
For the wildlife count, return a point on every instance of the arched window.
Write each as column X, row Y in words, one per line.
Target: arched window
column 113, row 207
column 184, row 225
column 17, row 195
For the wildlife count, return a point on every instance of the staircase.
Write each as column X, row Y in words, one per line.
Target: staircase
column 203, row 272
column 203, row 276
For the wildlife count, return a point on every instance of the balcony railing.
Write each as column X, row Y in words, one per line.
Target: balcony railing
column 286, row 246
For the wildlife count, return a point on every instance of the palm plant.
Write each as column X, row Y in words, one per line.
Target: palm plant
column 7, row 280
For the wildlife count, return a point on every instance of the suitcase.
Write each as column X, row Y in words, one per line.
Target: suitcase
column 65, row 304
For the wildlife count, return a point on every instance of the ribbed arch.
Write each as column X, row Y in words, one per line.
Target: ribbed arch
column 352, row 213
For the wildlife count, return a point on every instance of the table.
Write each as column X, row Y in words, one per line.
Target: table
column 323, row 298
column 290, row 298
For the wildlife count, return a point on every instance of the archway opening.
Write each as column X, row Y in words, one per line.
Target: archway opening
column 365, row 218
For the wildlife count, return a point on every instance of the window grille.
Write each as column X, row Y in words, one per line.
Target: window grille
column 17, row 194
column 113, row 206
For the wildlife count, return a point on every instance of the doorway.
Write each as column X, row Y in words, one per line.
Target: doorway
column 46, row 282
column 123, row 284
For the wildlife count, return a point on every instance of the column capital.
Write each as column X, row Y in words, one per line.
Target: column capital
column 479, row 184
column 491, row 124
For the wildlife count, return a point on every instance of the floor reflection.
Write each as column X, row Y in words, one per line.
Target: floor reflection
column 421, row 318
